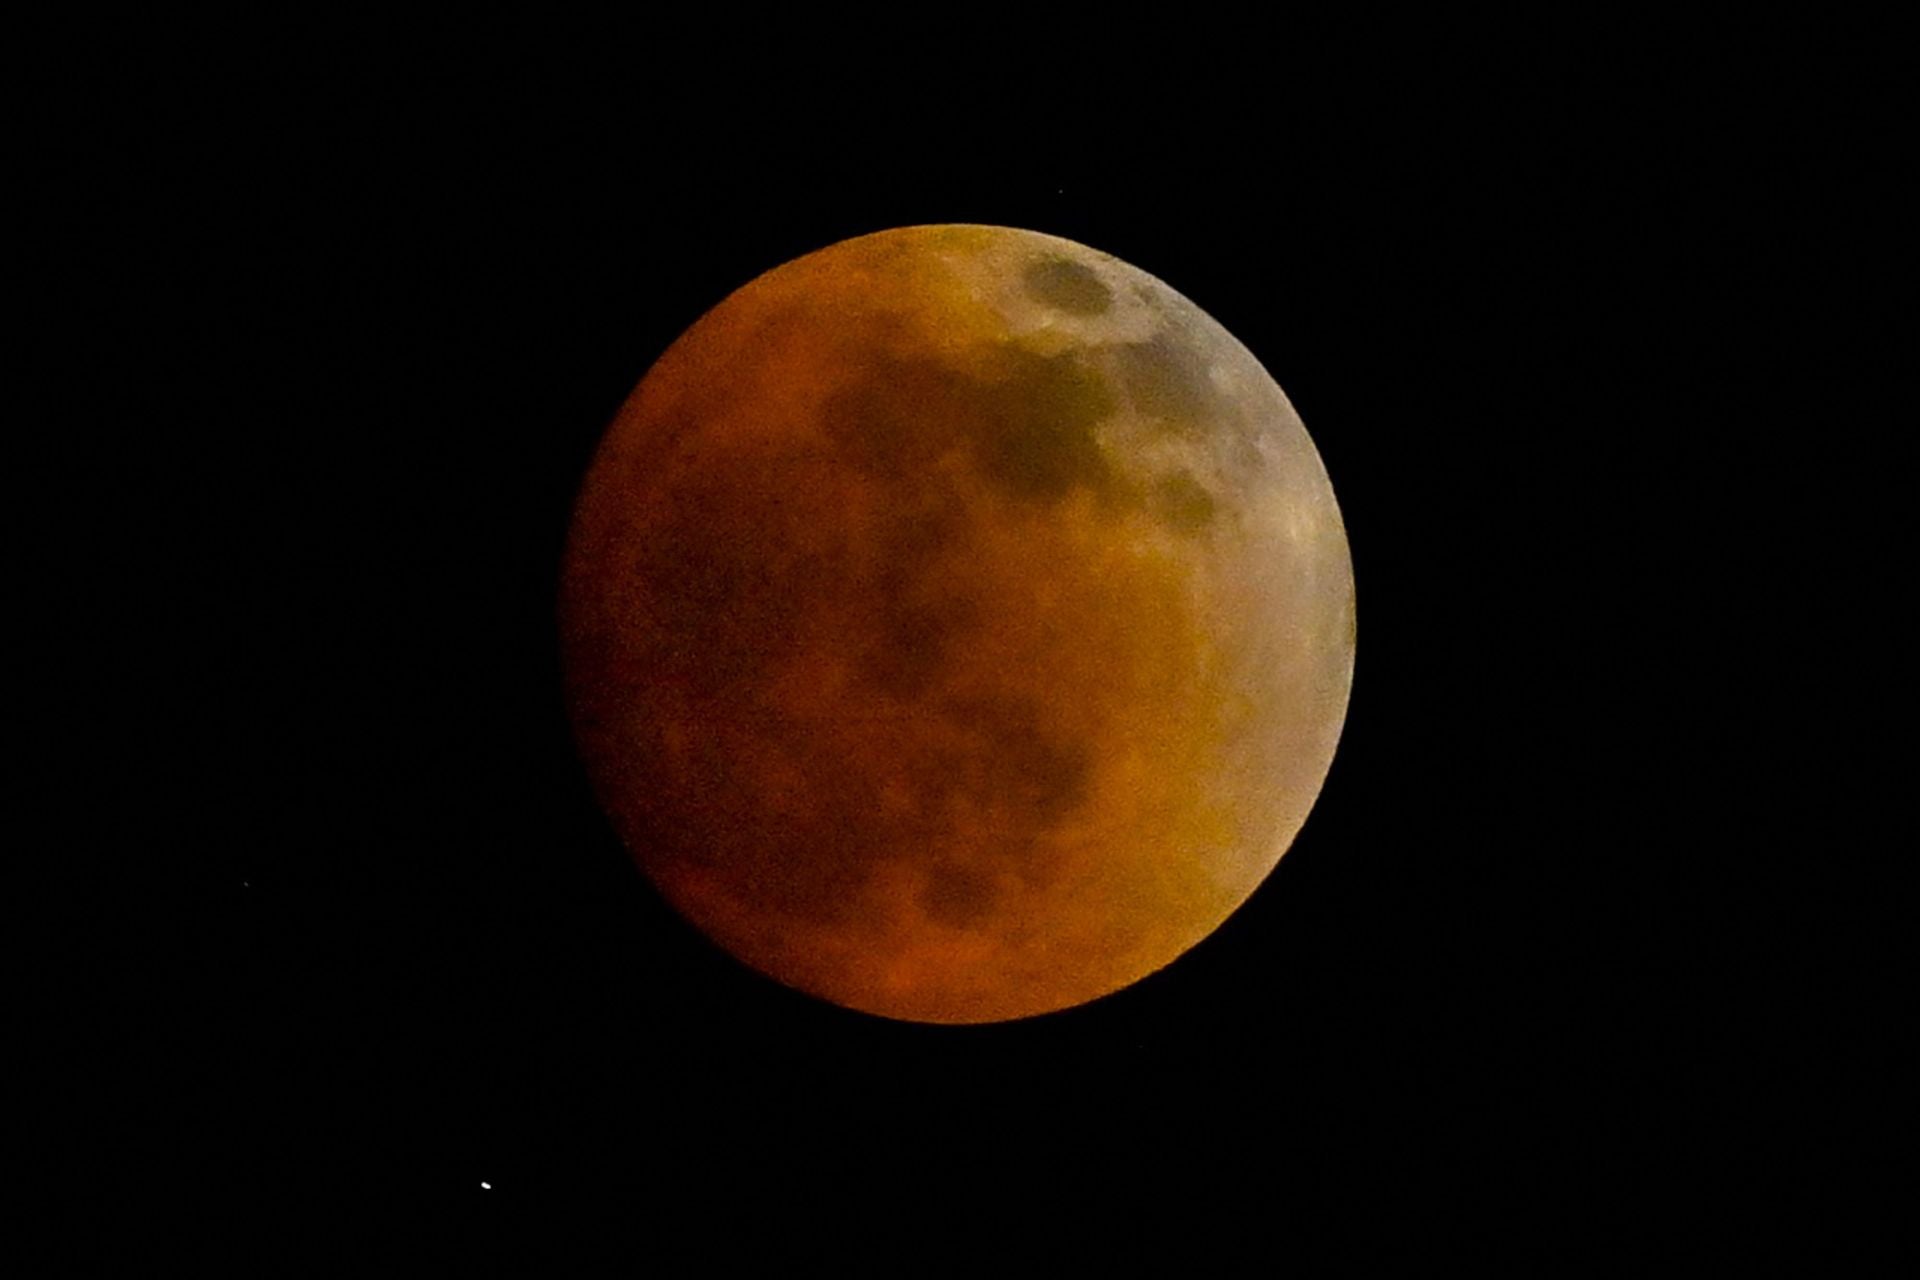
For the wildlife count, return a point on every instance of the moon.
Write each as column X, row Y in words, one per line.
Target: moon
column 957, row 624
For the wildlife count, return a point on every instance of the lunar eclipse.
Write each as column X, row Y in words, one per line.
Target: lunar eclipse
column 957, row 624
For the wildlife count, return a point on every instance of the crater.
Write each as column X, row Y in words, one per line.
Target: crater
column 900, row 416
column 1168, row 380
column 1017, row 770
column 1065, row 285
column 1029, row 423
column 914, row 643
column 1035, row 433
column 957, row 895
column 1183, row 503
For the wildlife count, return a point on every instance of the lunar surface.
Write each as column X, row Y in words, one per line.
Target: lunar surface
column 958, row 624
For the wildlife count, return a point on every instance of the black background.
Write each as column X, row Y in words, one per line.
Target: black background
column 1521, row 947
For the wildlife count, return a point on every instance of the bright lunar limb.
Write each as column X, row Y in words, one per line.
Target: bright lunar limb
column 957, row 623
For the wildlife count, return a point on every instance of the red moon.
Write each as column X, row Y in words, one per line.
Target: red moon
column 957, row 624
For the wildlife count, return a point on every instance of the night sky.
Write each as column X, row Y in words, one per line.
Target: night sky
column 1513, row 936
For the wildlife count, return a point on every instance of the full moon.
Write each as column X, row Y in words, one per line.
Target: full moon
column 957, row 624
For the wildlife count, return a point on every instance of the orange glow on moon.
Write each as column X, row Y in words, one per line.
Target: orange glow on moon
column 958, row 624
